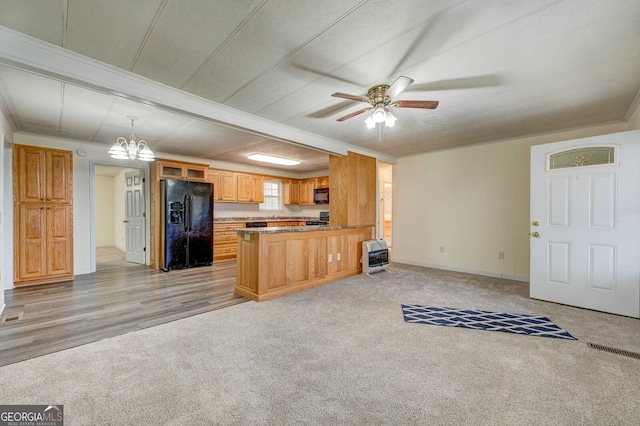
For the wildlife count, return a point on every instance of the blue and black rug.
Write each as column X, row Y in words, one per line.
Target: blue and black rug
column 483, row 320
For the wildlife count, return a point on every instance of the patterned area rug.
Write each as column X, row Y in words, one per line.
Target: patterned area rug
column 483, row 320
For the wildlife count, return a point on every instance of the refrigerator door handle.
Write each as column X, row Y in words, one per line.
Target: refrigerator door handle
column 186, row 213
column 190, row 204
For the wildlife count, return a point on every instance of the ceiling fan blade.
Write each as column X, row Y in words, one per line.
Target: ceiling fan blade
column 352, row 97
column 353, row 114
column 332, row 110
column 487, row 80
column 398, row 86
column 416, row 104
column 322, row 74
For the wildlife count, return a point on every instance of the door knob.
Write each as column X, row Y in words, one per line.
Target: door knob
column 125, row 221
column 535, row 234
column 535, row 223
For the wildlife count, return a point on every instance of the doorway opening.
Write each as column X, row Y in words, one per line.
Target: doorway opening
column 111, row 242
column 385, row 224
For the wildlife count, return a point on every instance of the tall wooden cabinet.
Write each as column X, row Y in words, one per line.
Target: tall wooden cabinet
column 43, row 215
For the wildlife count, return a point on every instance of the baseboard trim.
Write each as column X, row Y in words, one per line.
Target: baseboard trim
column 4, row 305
column 465, row 271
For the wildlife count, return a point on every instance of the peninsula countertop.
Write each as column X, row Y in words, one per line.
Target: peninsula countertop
column 274, row 261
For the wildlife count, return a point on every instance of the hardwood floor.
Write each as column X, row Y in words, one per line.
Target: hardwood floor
column 112, row 258
column 106, row 304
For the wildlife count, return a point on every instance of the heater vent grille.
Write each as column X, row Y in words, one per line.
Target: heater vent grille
column 614, row 350
column 11, row 317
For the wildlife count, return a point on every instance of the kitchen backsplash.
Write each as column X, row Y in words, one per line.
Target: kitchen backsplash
column 233, row 210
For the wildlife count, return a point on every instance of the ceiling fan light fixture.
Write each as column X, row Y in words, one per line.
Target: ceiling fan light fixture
column 379, row 115
column 369, row 122
column 390, row 120
column 273, row 160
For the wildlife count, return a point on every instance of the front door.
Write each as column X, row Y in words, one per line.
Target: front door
column 134, row 216
column 585, row 223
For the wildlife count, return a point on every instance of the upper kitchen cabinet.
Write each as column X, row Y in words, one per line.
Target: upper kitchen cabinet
column 225, row 185
column 44, row 175
column 291, row 191
column 181, row 170
column 307, row 186
column 322, row 182
column 250, row 188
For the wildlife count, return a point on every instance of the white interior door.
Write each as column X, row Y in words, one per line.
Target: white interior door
column 585, row 223
column 134, row 216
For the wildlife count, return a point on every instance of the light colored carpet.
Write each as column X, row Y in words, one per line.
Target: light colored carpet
column 342, row 354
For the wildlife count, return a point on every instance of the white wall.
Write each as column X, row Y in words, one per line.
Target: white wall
column 104, row 211
column 6, row 224
column 634, row 117
column 119, row 209
column 472, row 201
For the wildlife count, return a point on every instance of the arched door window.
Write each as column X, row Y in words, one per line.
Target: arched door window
column 580, row 157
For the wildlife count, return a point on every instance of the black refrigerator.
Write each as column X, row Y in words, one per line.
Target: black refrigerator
column 188, row 223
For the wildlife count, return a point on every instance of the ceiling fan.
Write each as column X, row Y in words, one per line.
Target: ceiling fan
column 380, row 98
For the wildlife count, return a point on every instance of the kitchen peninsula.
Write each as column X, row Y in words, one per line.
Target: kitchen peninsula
column 275, row 261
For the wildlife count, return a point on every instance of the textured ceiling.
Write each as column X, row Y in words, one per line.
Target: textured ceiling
column 500, row 69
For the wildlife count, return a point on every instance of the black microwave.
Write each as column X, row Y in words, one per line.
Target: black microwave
column 321, row 195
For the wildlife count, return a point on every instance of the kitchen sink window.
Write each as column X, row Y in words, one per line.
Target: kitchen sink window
column 272, row 195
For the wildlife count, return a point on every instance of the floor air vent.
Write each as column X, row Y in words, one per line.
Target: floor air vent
column 614, row 350
column 11, row 317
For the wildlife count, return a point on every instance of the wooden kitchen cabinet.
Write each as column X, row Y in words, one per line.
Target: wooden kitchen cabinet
column 250, row 188
column 322, row 182
column 272, row 263
column 225, row 244
column 45, row 175
column 225, row 185
column 291, row 191
column 46, row 242
column 181, row 170
column 43, row 215
column 306, row 191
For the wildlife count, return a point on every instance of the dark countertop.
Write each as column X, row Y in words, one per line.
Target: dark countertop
column 309, row 228
column 263, row 219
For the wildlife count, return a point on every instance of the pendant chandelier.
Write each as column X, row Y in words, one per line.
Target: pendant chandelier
column 129, row 150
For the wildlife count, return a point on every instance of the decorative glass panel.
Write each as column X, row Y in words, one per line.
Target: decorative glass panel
column 582, row 157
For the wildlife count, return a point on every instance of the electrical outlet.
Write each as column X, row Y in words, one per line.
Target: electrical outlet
column 338, row 257
column 441, row 249
column 501, row 255
column 330, row 258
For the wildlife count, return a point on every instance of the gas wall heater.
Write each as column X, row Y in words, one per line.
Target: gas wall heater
column 375, row 256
